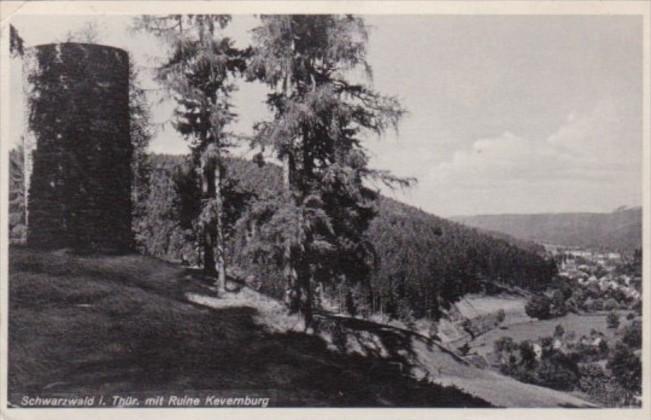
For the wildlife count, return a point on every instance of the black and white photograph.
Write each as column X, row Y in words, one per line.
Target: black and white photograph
column 325, row 207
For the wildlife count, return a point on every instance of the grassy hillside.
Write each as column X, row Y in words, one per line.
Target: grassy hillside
column 112, row 324
column 138, row 325
column 425, row 262
column 620, row 230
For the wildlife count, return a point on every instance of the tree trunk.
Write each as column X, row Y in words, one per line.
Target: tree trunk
column 305, row 279
column 208, row 232
column 292, row 292
column 219, row 231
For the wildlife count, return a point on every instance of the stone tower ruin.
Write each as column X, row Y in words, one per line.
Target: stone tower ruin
column 77, row 147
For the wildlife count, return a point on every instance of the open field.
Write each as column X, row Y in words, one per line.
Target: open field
column 105, row 325
column 534, row 329
column 473, row 305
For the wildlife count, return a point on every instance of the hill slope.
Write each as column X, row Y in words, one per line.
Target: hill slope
column 425, row 262
column 620, row 230
column 138, row 325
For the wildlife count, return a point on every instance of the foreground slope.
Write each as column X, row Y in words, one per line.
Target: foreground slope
column 105, row 325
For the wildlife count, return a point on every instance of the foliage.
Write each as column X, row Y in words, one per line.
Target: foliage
column 17, row 196
column 320, row 113
column 610, row 304
column 501, row 316
column 626, row 367
column 16, row 43
column 538, row 307
column 594, row 381
column 433, row 262
column 632, row 334
column 80, row 190
column 140, row 132
column 612, row 319
column 551, row 368
column 557, row 306
column 417, row 242
column 197, row 72
column 557, row 371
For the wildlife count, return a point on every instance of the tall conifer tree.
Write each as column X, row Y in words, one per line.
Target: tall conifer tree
column 321, row 113
column 198, row 71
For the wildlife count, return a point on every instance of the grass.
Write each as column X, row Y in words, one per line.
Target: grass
column 472, row 306
column 534, row 329
column 137, row 325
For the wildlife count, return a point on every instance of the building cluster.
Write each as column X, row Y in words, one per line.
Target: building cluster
column 603, row 269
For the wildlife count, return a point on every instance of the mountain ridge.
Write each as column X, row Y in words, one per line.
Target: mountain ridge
column 619, row 230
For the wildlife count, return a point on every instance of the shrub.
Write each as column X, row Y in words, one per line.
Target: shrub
column 632, row 334
column 504, row 344
column 630, row 316
column 598, row 304
column 610, row 304
column 559, row 331
column 555, row 373
column 527, row 354
column 501, row 316
column 612, row 320
column 626, row 367
column 596, row 383
column 557, row 306
column 538, row 307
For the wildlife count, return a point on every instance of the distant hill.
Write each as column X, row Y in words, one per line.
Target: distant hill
column 424, row 262
column 620, row 230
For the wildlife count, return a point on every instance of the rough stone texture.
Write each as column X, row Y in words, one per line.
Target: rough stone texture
column 80, row 181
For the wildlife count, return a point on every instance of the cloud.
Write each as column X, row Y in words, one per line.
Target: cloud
column 590, row 160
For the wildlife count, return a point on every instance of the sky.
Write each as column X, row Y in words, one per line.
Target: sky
column 506, row 114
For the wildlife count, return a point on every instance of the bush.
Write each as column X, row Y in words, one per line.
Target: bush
column 527, row 354
column 612, row 320
column 501, row 316
column 596, row 383
column 632, row 334
column 556, row 372
column 559, row 331
column 598, row 305
column 626, row 367
column 610, row 305
column 538, row 307
column 557, row 306
column 504, row 344
column 630, row 316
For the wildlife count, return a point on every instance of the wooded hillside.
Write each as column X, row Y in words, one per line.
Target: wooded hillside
column 422, row 262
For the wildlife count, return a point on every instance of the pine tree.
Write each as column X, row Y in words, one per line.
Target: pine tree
column 320, row 114
column 198, row 73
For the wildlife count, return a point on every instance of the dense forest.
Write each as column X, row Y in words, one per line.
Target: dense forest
column 422, row 262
